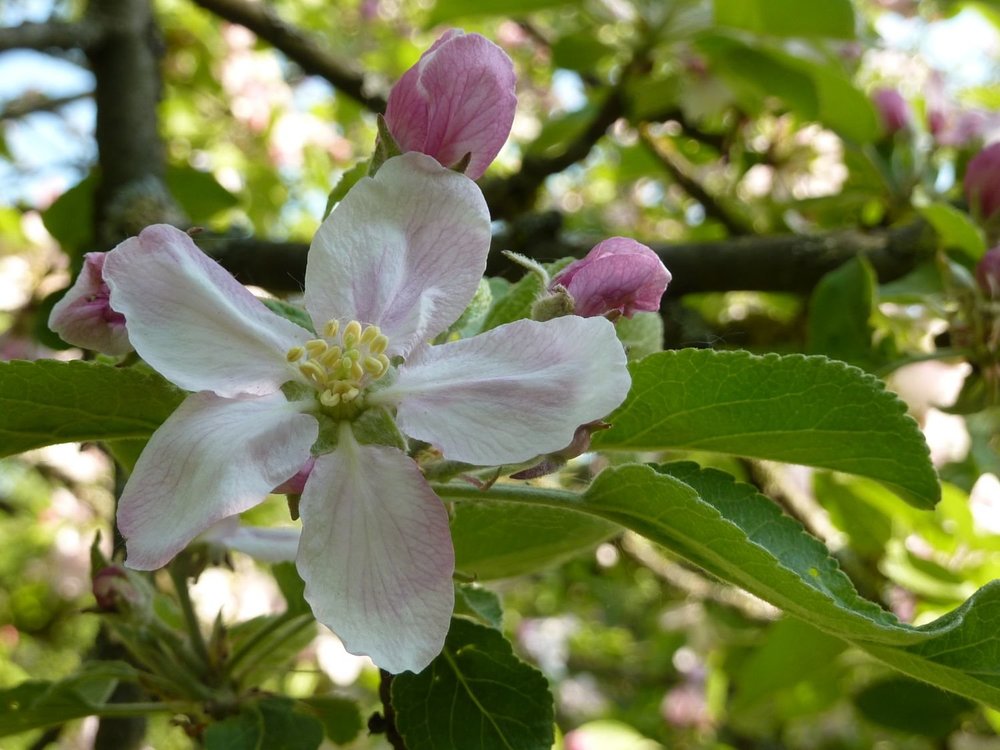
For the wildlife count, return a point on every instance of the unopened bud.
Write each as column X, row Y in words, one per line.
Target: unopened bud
column 893, row 110
column 115, row 590
column 83, row 317
column 982, row 183
column 618, row 277
column 988, row 273
column 458, row 100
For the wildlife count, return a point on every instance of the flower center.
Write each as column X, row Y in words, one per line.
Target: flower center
column 342, row 363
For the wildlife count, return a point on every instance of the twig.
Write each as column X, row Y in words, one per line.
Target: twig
column 388, row 724
column 309, row 52
column 49, row 35
column 33, row 102
column 713, row 208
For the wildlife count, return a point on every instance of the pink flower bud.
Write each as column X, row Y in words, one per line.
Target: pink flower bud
column 982, row 183
column 83, row 317
column 988, row 273
column 114, row 590
column 619, row 276
column 457, row 100
column 892, row 109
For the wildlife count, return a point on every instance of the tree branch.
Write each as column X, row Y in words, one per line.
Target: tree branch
column 33, row 102
column 713, row 208
column 784, row 263
column 309, row 52
column 51, row 35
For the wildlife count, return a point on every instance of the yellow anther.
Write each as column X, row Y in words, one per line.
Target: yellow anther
column 350, row 395
column 378, row 344
column 295, row 354
column 369, row 334
column 331, row 357
column 374, row 366
column 329, row 398
column 357, row 371
column 314, row 371
column 316, row 347
column 331, row 328
column 352, row 334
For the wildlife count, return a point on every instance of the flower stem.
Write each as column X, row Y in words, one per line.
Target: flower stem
column 179, row 578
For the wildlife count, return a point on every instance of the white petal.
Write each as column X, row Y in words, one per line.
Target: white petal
column 376, row 555
column 404, row 250
column 192, row 321
column 278, row 544
column 212, row 458
column 512, row 393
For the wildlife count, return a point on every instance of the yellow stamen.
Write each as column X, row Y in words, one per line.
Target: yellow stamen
column 329, row 398
column 379, row 344
column 316, row 347
column 343, row 361
column 352, row 334
column 331, row 328
column 369, row 334
column 295, row 354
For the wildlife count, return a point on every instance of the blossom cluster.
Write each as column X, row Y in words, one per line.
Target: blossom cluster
column 322, row 412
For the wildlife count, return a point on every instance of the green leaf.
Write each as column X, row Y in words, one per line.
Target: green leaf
column 801, row 410
column 347, row 180
column 198, row 193
column 477, row 695
column 641, row 335
column 341, row 717
column 499, row 541
column 47, row 402
column 912, row 707
column 740, row 536
column 70, row 218
column 840, row 311
column 956, row 229
column 580, row 52
column 290, row 312
column 36, row 705
column 829, row 18
column 479, row 603
column 271, row 724
column 449, row 10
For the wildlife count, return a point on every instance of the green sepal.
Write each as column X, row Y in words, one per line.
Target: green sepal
column 376, row 426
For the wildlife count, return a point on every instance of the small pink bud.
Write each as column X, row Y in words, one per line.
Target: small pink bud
column 83, row 317
column 988, row 273
column 892, row 109
column 619, row 276
column 982, row 183
column 297, row 484
column 114, row 590
column 457, row 100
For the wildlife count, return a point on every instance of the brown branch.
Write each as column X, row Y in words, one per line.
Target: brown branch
column 33, row 102
column 309, row 52
column 712, row 206
column 51, row 35
column 784, row 263
column 131, row 193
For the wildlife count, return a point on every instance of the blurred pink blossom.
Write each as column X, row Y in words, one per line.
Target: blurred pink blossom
column 892, row 109
column 988, row 273
column 982, row 183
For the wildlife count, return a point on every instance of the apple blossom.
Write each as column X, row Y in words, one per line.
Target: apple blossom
column 83, row 316
column 458, row 99
column 982, row 183
column 393, row 266
column 618, row 276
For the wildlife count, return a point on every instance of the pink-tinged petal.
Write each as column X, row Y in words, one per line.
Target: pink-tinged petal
column 273, row 545
column 618, row 275
column 192, row 321
column 83, row 317
column 214, row 457
column 404, row 250
column 458, row 99
column 376, row 555
column 512, row 393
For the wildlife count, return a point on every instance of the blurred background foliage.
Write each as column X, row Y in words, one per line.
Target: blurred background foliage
column 674, row 122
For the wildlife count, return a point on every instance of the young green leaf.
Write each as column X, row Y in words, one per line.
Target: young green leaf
column 801, row 410
column 47, row 402
column 477, row 695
